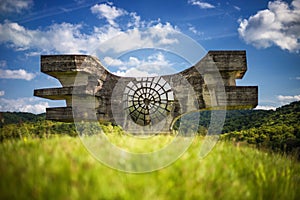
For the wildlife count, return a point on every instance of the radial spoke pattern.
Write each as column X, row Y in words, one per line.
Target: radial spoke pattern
column 148, row 100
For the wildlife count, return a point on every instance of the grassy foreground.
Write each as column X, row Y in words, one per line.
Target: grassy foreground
column 61, row 168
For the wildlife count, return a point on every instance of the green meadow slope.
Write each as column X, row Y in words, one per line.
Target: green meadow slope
column 256, row 158
column 61, row 168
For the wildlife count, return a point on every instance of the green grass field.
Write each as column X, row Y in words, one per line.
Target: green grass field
column 61, row 168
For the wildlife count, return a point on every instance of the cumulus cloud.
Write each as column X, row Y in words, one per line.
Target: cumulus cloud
column 155, row 35
column 134, row 72
column 16, row 74
column 153, row 65
column 2, row 93
column 10, row 6
column 281, row 100
column 69, row 38
column 288, row 99
column 108, row 11
column 265, row 107
column 32, row 105
column 278, row 25
column 135, row 21
column 62, row 38
column 3, row 63
column 201, row 4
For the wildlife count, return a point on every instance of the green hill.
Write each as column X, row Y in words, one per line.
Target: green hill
column 276, row 130
column 236, row 120
column 19, row 117
column 246, row 119
column 45, row 163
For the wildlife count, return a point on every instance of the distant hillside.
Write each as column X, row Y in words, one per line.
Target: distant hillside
column 236, row 120
column 246, row 119
column 276, row 130
column 19, row 117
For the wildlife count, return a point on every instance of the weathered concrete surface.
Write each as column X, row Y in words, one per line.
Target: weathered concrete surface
column 87, row 87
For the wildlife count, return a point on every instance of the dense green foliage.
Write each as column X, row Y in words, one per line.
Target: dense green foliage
column 237, row 120
column 19, row 117
column 61, row 168
column 40, row 129
column 246, row 119
column 276, row 130
column 266, row 129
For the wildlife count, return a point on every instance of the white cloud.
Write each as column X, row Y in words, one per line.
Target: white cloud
column 160, row 33
column 153, row 65
column 201, row 4
column 288, row 99
column 61, row 38
column 135, row 21
column 32, row 105
column 109, row 12
column 155, row 35
column 194, row 30
column 278, row 25
column 9, row 6
column 68, row 38
column 265, row 107
column 134, row 72
column 237, row 8
column 3, row 63
column 16, row 74
column 298, row 78
column 279, row 101
column 2, row 93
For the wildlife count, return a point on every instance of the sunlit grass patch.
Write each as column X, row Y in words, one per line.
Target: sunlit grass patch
column 61, row 168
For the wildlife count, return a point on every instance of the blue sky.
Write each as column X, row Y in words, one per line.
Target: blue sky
column 268, row 30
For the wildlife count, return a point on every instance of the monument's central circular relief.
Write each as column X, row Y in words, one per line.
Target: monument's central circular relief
column 148, row 100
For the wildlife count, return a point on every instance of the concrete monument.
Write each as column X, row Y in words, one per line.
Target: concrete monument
column 92, row 92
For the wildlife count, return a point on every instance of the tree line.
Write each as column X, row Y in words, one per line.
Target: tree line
column 277, row 130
